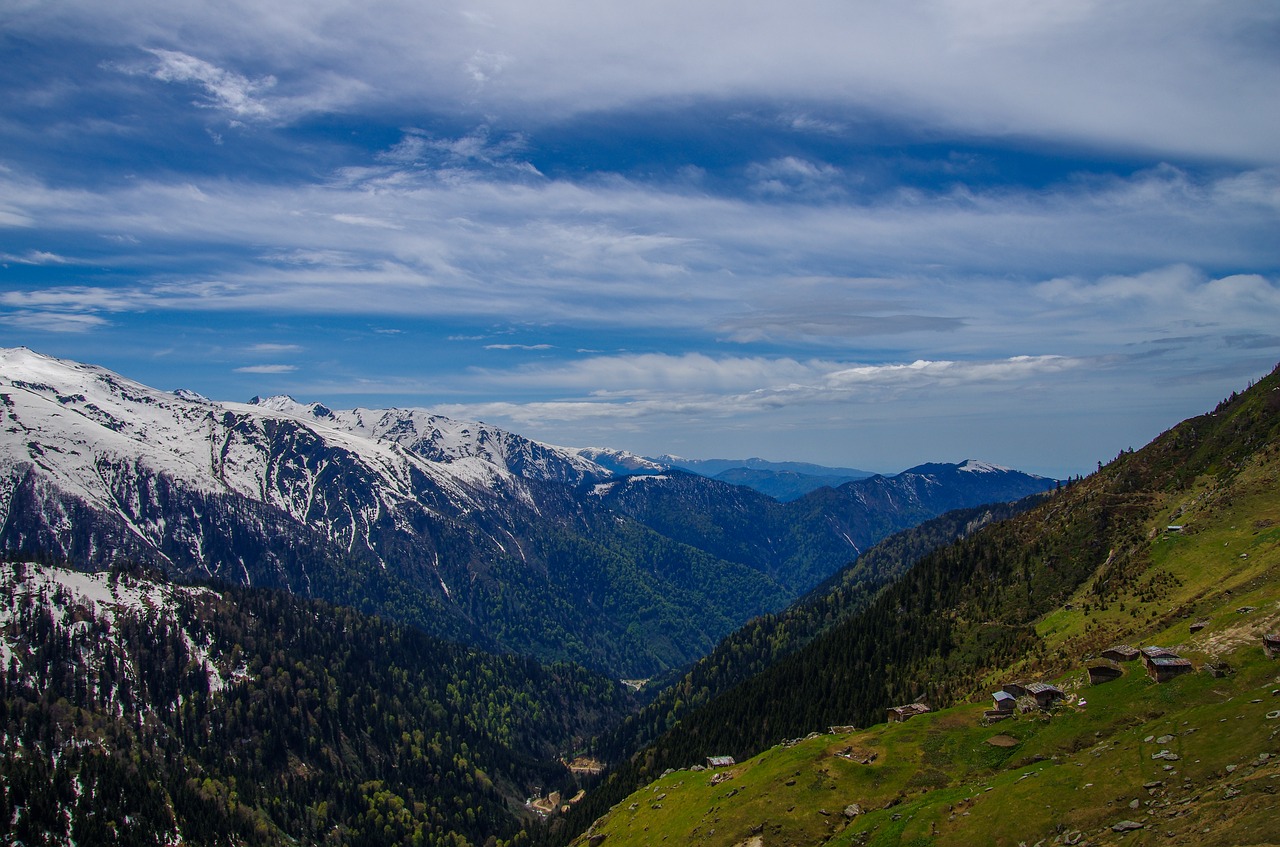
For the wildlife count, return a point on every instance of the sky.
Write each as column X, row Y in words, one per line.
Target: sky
column 861, row 234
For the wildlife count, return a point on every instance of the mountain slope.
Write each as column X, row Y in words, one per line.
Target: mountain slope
column 481, row 538
column 136, row 711
column 801, row 543
column 460, row 528
column 765, row 640
column 1028, row 598
column 783, row 481
column 783, row 486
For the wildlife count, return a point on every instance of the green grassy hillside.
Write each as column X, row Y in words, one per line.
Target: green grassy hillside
column 1028, row 599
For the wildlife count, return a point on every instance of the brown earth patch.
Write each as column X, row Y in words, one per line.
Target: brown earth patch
column 1003, row 741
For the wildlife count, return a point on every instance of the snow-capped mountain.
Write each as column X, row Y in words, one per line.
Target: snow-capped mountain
column 90, row 434
column 472, row 532
column 440, row 439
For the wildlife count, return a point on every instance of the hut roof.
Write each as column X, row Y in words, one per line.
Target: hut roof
column 1153, row 652
column 1123, row 650
column 1043, row 688
column 1170, row 662
column 911, row 709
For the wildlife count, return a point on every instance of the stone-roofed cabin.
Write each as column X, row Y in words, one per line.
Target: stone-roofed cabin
column 1165, row 668
column 1015, row 689
column 1103, row 670
column 720, row 762
column 897, row 714
column 1271, row 644
column 1045, row 694
column 1120, row 653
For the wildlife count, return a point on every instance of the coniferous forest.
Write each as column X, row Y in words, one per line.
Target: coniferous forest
column 330, row 726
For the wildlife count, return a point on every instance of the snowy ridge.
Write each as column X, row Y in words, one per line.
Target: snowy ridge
column 976, row 466
column 620, row 461
column 441, row 439
column 117, row 446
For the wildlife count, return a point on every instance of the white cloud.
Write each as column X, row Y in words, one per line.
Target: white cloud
column 266, row 369
column 78, row 299
column 53, row 321
column 801, row 122
column 641, row 373
column 1190, row 79
column 792, row 175
column 519, row 347
column 922, row 373
column 224, row 90
column 734, row 383
column 365, row 220
column 962, row 270
column 273, row 349
column 35, row 257
column 1163, row 301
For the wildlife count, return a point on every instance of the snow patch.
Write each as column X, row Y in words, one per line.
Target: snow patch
column 975, row 466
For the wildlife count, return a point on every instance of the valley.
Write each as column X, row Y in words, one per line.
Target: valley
column 463, row 530
column 390, row 628
column 1193, row 760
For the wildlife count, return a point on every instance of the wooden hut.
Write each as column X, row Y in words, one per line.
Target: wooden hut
column 1165, row 668
column 1015, row 689
column 714, row 762
column 1004, row 701
column 1045, row 694
column 1103, row 670
column 897, row 714
column 1120, row 653
column 1153, row 652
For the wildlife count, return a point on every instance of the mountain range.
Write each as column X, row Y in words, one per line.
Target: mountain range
column 462, row 529
column 138, row 708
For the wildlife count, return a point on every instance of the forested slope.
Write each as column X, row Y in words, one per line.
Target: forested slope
column 968, row 610
column 138, row 712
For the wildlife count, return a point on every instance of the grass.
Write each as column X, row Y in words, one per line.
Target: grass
column 935, row 779
column 1077, row 769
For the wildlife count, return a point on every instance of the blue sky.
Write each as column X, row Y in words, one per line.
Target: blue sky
column 852, row 233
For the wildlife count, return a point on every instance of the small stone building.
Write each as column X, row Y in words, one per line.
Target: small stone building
column 1103, row 670
column 1015, row 689
column 1004, row 701
column 714, row 762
